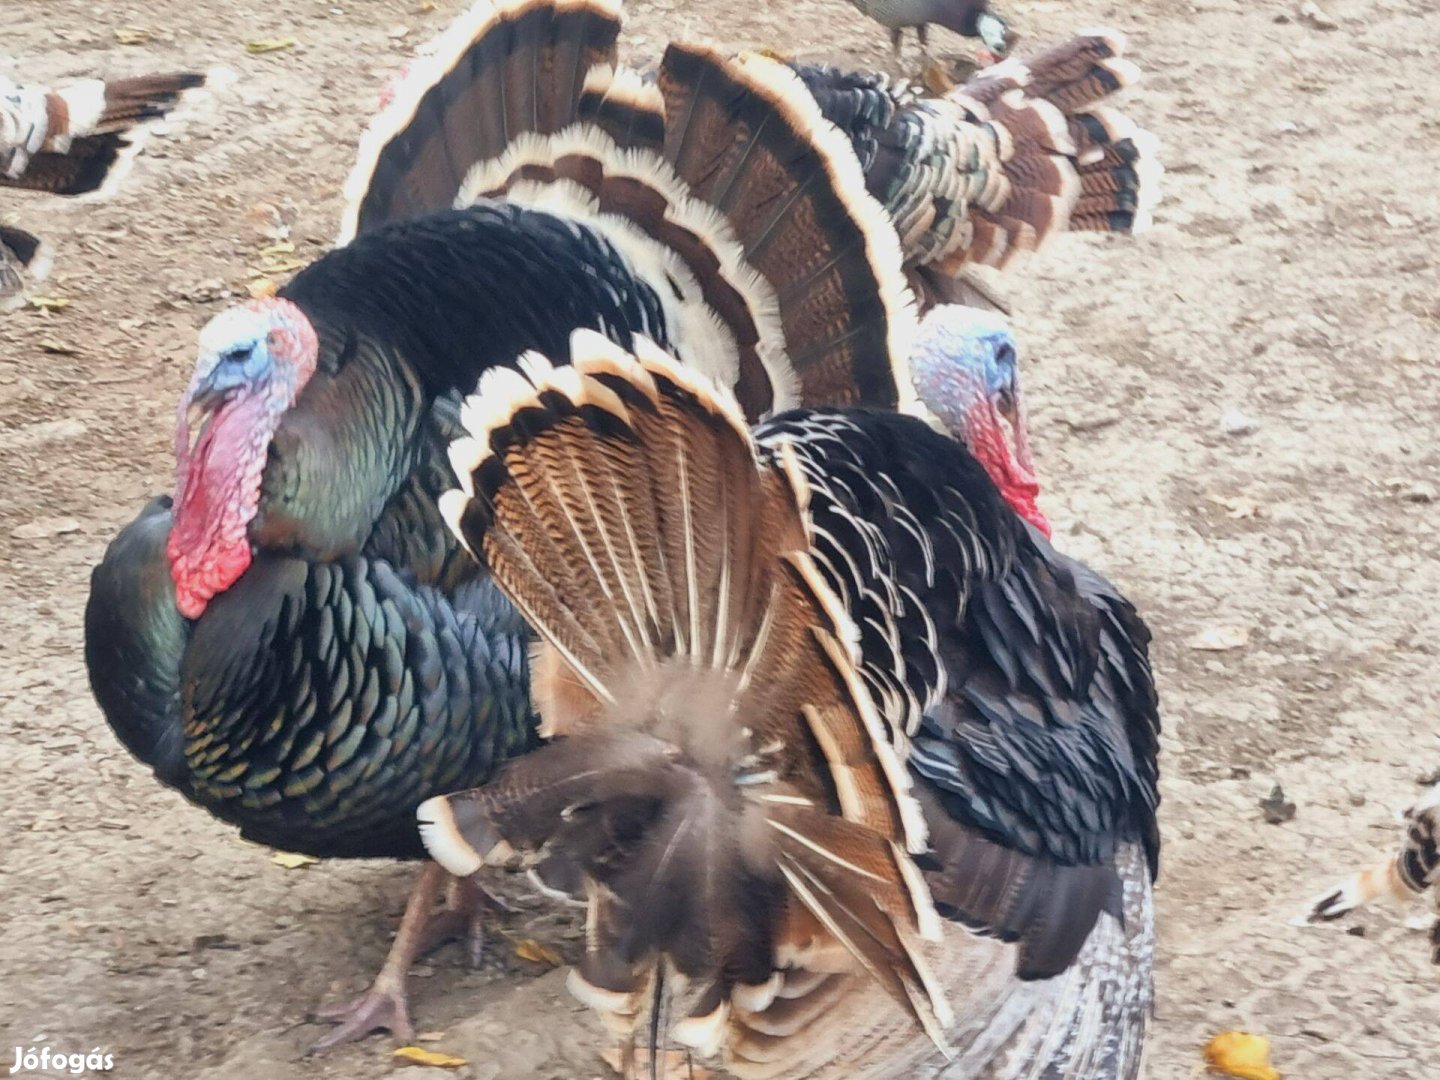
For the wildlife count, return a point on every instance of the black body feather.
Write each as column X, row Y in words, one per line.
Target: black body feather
column 1035, row 722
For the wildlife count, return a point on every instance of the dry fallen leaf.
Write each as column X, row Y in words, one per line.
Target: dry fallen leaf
column 261, row 287
column 936, row 79
column 292, row 860
column 537, row 952
column 132, row 35
column 1236, row 1053
column 418, row 1055
column 57, row 348
column 49, row 303
column 396, row 32
column 1237, row 506
column 268, row 45
column 1220, row 638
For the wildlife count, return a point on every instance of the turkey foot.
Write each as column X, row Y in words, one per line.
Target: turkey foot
column 385, row 1005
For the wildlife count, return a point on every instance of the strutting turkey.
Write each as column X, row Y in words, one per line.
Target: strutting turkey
column 830, row 723
column 297, row 644
column 972, row 18
column 1409, row 873
column 997, row 167
column 71, row 140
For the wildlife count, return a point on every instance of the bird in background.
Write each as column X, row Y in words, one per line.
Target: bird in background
column 75, row 139
column 969, row 18
column 1412, row 871
column 858, row 774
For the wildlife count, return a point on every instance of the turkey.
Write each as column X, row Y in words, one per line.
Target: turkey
column 1000, row 165
column 71, row 140
column 972, row 18
column 1411, row 872
column 296, row 643
column 876, row 763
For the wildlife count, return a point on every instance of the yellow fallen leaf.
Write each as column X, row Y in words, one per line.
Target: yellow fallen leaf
column 280, row 247
column 261, row 287
column 268, row 45
column 49, row 303
column 1237, row 1053
column 292, row 860
column 132, row 35
column 537, row 952
column 418, row 1055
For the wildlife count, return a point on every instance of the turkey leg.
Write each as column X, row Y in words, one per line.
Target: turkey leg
column 385, row 1005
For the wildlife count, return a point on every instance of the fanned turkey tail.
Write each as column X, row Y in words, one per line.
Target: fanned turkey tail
column 716, row 763
column 996, row 167
column 718, row 180
column 77, row 138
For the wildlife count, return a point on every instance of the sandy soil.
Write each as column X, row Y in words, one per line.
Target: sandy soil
column 1292, row 276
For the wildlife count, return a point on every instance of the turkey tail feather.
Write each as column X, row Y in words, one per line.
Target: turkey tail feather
column 81, row 136
column 747, row 137
column 718, row 764
column 500, row 70
column 720, row 183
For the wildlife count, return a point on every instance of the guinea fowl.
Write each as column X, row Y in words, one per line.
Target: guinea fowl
column 830, row 725
column 1000, row 165
column 297, row 644
column 972, row 18
column 71, row 140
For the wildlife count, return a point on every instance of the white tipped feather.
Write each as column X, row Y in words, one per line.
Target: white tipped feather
column 443, row 840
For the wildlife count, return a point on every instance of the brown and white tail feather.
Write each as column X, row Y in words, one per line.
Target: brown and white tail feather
column 80, row 138
column 718, row 768
column 500, row 70
column 720, row 183
column 1062, row 161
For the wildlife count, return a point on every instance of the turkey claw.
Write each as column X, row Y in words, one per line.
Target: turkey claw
column 375, row 1010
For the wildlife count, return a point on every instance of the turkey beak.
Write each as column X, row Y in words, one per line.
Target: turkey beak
column 1012, row 407
column 199, row 413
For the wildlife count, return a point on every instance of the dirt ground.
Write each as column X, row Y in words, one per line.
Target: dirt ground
column 1291, row 278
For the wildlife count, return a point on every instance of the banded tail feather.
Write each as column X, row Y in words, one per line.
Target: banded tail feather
column 77, row 138
column 717, row 762
column 997, row 167
column 719, row 181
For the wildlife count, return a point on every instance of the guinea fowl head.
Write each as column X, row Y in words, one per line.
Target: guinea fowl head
column 976, row 20
column 254, row 361
column 967, row 372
